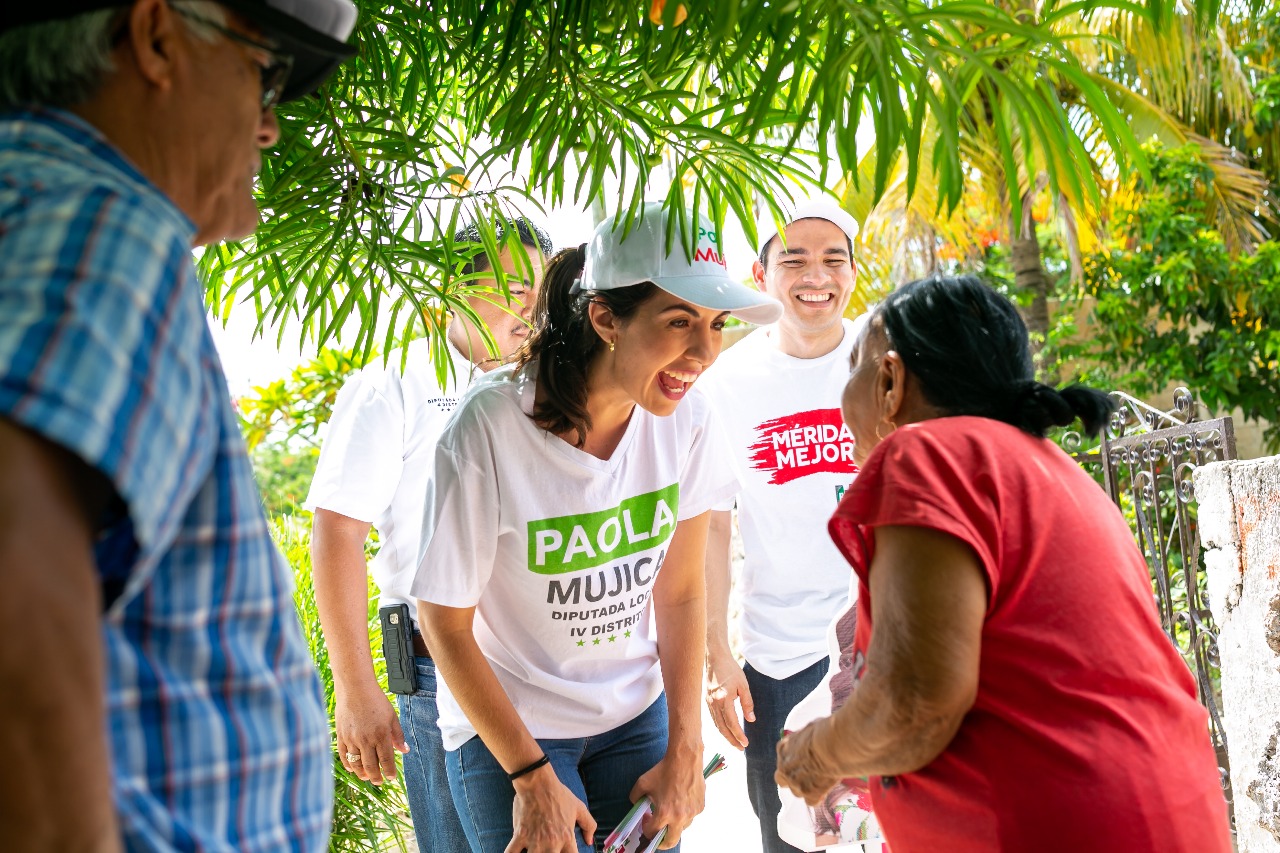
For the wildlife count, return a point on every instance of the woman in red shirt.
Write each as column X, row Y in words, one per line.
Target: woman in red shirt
column 1014, row 688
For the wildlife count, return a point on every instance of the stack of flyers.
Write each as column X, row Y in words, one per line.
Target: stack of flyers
column 627, row 838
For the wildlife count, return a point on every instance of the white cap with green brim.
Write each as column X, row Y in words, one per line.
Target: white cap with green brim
column 615, row 260
column 767, row 229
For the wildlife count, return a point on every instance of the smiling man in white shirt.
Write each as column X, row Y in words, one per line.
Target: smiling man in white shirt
column 777, row 392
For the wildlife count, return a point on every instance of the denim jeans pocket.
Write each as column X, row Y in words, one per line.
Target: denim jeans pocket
column 424, row 670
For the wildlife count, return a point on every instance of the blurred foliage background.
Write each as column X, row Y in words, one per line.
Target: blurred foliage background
column 366, row 817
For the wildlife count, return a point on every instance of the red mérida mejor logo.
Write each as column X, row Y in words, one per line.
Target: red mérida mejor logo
column 795, row 446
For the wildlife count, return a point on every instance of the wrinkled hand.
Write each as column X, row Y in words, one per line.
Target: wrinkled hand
column 366, row 725
column 677, row 793
column 726, row 688
column 805, row 762
column 545, row 813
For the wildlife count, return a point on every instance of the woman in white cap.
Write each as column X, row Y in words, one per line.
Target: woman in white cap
column 561, row 581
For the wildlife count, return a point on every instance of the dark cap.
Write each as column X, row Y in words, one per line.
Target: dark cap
column 314, row 32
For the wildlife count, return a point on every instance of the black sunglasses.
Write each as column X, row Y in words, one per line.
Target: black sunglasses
column 274, row 74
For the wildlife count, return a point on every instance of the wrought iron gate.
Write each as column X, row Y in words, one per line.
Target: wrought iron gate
column 1145, row 460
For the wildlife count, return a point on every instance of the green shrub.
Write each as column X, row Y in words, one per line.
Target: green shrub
column 366, row 817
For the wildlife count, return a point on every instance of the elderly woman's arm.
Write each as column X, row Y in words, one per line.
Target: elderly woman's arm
column 929, row 599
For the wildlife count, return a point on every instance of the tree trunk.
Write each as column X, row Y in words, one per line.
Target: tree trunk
column 1029, row 277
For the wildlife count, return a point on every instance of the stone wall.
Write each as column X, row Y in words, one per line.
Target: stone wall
column 1240, row 528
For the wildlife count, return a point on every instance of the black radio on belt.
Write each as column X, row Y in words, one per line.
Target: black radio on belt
column 397, row 647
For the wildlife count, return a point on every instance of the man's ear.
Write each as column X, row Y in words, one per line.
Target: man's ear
column 603, row 320
column 757, row 274
column 153, row 40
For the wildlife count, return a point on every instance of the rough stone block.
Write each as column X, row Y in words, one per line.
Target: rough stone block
column 1217, row 525
column 1239, row 506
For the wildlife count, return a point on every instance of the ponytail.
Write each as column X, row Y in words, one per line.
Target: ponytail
column 1036, row 408
column 563, row 344
column 969, row 349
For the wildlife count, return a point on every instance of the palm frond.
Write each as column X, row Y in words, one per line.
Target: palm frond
column 524, row 106
column 1239, row 192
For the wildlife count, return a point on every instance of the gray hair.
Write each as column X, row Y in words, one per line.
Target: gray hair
column 62, row 63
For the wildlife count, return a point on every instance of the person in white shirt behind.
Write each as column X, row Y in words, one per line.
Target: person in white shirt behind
column 561, row 581
column 373, row 472
column 777, row 392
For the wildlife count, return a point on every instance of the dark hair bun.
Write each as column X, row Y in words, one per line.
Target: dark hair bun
column 1091, row 406
column 1037, row 407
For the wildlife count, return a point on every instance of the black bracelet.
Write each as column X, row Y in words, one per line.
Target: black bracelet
column 523, row 771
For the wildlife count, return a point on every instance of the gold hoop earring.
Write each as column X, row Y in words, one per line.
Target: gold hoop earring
column 892, row 426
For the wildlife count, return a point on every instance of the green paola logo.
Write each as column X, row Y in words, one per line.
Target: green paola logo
column 570, row 543
column 707, row 233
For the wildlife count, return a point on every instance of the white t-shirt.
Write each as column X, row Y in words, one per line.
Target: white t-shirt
column 795, row 459
column 558, row 550
column 378, row 452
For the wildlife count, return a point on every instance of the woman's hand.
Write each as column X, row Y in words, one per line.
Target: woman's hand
column 545, row 814
column 677, row 791
column 804, row 762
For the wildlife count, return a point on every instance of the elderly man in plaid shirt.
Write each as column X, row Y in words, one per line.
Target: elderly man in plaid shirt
column 158, row 694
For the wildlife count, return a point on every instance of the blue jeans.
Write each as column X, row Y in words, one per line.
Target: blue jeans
column 435, row 821
column 600, row 770
column 774, row 699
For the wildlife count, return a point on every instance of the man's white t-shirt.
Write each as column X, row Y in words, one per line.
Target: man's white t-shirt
column 558, row 551
column 795, row 459
column 377, row 455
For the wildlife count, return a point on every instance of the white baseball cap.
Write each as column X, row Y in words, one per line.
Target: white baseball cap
column 615, row 261
column 767, row 229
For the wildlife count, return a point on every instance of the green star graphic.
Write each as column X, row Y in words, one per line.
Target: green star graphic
column 614, row 637
column 596, row 641
column 628, row 634
column 580, row 643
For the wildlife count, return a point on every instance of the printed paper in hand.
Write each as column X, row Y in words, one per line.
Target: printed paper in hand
column 628, row 836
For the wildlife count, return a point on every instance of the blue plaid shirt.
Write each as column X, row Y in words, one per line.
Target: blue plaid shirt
column 218, row 733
